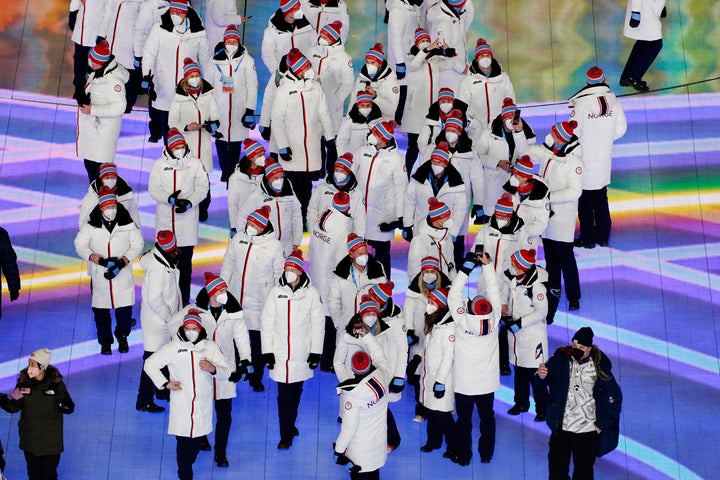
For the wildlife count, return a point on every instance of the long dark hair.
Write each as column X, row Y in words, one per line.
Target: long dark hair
column 596, row 356
column 434, row 318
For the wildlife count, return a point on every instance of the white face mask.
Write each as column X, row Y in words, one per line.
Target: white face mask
column 371, row 69
column 179, row 153
column 277, row 184
column 451, row 137
column 176, row 19
column 439, row 233
column 231, row 49
column 448, row 224
column 33, row 371
column 514, row 181
column 485, row 62
column 298, row 14
column 431, row 308
column 192, row 335
column 251, row 231
column 309, row 74
column 423, row 45
column 221, row 298
column 372, row 139
column 194, row 82
column 290, row 277
column 323, row 41
column 429, row 277
column 369, row 320
column 110, row 182
column 361, row 260
column 438, row 169
column 109, row 214
column 549, row 140
column 260, row 161
column 508, row 124
column 501, row 222
column 339, row 177
column 445, row 107
column 365, row 111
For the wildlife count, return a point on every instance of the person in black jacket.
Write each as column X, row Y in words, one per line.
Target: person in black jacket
column 9, row 268
column 583, row 410
column 42, row 398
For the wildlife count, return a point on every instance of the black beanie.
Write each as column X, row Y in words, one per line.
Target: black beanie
column 584, row 336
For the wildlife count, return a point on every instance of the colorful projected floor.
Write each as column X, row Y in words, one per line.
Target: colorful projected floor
column 651, row 298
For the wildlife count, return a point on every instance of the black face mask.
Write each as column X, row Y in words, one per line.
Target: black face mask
column 577, row 354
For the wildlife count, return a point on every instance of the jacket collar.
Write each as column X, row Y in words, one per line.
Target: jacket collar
column 122, row 218
column 196, row 24
column 454, row 178
column 373, row 269
column 278, row 21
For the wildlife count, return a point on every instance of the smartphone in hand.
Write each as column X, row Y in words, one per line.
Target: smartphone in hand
column 516, row 117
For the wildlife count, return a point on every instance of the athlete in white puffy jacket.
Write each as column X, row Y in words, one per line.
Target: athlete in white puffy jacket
column 323, row 12
column 449, row 21
column 287, row 28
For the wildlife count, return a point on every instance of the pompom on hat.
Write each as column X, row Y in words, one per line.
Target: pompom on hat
column 332, row 31
column 107, row 197
column 175, row 139
column 437, row 210
column 564, row 130
column 295, row 260
column 354, row 242
column 482, row 47
column 166, row 241
column 523, row 167
column 376, row 53
column 524, row 259
column 439, row 296
column 260, row 218
column 594, row 76
column 214, row 284
column 360, row 362
column 192, row 317
column 100, row 53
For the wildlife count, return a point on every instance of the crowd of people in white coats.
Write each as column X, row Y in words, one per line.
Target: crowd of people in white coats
column 338, row 174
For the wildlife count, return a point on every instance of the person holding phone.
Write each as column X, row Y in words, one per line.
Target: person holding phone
column 42, row 399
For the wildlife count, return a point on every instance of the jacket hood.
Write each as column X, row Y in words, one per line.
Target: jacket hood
column 566, row 149
column 588, row 90
column 203, row 301
column 383, row 71
column 278, row 22
column 515, row 224
column 286, row 191
column 113, row 68
column 365, row 388
column 496, row 128
column 348, row 187
column 539, row 191
column 302, row 284
column 414, row 285
column 495, row 69
column 196, row 24
column 52, row 375
column 121, row 187
column 390, row 310
column 198, row 345
column 206, row 88
column 463, row 145
column 382, row 325
column 154, row 255
column 374, row 268
column 220, row 54
column 434, row 112
column 356, row 117
column 453, row 177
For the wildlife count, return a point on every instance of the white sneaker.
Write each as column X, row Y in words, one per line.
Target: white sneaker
column 418, row 419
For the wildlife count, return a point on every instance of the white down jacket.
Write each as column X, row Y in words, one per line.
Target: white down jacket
column 186, row 109
column 160, row 299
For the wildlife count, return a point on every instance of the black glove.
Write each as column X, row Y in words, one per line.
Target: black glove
column 400, row 71
column 514, row 325
column 407, row 234
column 397, row 385
column 147, row 81
column 82, row 97
column 439, row 390
column 331, row 151
column 114, row 268
column 212, row 128
column 286, row 153
column 72, row 19
column 14, row 294
column 99, row 39
column 342, row 460
column 663, row 14
column 390, row 226
column 265, row 133
column 479, row 214
column 235, row 376
column 634, row 19
column 182, row 205
column 242, row 370
column 269, row 359
column 469, row 263
column 103, row 262
column 313, row 360
column 248, row 119
column 137, row 63
column 413, row 365
column 172, row 199
column 412, row 339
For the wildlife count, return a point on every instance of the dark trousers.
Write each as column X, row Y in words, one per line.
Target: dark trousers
column 412, row 152
column 393, row 434
column 328, row 352
column 382, row 255
column 374, row 475
column 302, row 185
column 228, row 157
column 463, row 440
column 328, row 157
column 103, row 323
column 158, row 124
column 147, row 390
column 560, row 260
column 186, row 452
column 439, row 425
column 185, row 268
column 132, row 87
column 414, row 380
column 459, row 251
column 581, row 446
column 223, row 420
column 205, row 203
column 642, row 55
column 80, row 65
column 2, row 458
column 594, row 216
column 504, row 348
column 524, row 377
column 288, row 401
column 92, row 168
column 256, row 358
column 42, row 467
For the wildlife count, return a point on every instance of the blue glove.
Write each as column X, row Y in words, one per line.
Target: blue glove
column 634, row 20
column 453, row 238
column 172, row 199
column 469, row 263
column 407, row 234
column 286, row 153
column 233, row 232
column 514, row 325
column 265, row 133
column 400, row 71
column 247, row 119
column 137, row 63
column 397, row 385
column 146, row 81
column 412, row 339
column 478, row 214
column 342, row 460
column 439, row 390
